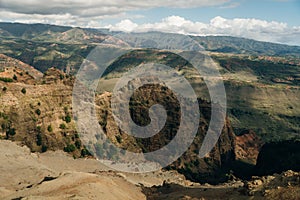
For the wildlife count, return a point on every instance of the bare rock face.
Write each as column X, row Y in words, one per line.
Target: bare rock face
column 38, row 112
column 247, row 147
column 212, row 168
column 40, row 117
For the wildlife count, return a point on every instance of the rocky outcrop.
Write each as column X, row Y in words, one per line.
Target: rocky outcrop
column 277, row 186
column 247, row 147
column 41, row 118
column 39, row 113
column 212, row 168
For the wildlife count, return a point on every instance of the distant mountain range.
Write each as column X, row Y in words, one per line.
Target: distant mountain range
column 71, row 35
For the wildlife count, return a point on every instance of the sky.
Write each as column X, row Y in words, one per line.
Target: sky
column 265, row 20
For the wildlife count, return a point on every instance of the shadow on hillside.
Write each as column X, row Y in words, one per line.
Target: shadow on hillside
column 175, row 191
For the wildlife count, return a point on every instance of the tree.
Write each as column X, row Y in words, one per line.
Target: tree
column 62, row 126
column 38, row 111
column 10, row 132
column 70, row 148
column 78, row 144
column 23, row 90
column 44, row 148
column 50, row 129
column 15, row 77
column 39, row 139
column 85, row 152
column 68, row 118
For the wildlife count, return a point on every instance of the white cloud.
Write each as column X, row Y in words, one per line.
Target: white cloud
column 249, row 28
column 86, row 13
column 125, row 26
column 88, row 8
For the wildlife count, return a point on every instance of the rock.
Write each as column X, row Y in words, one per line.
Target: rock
column 247, row 146
column 258, row 182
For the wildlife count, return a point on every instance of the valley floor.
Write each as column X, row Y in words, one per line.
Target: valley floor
column 56, row 175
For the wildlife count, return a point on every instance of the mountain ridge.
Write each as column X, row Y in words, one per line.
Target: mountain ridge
column 21, row 29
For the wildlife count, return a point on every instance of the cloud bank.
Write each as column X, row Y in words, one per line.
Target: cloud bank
column 86, row 13
column 249, row 28
column 97, row 7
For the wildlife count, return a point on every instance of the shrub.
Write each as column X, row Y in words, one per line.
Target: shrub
column 38, row 111
column 78, row 144
column 119, row 138
column 3, row 126
column 62, row 126
column 50, row 129
column 44, row 148
column 10, row 131
column 6, row 80
column 39, row 128
column 68, row 118
column 70, row 148
column 23, row 91
column 4, row 89
column 39, row 139
column 85, row 152
column 15, row 77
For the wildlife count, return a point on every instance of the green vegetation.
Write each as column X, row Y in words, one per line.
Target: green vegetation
column 38, row 112
column 23, row 90
column 267, row 72
column 44, row 148
column 68, row 119
column 62, row 126
column 7, row 80
column 78, row 144
column 227, row 44
column 49, row 128
column 39, row 139
column 119, row 138
column 15, row 77
column 70, row 148
column 10, row 132
column 85, row 152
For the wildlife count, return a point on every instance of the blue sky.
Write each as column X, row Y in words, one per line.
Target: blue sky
column 265, row 20
column 270, row 10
